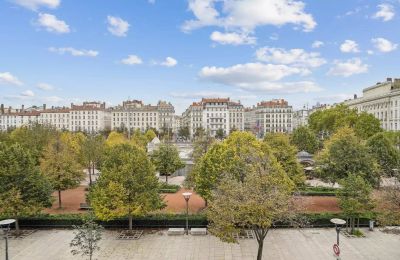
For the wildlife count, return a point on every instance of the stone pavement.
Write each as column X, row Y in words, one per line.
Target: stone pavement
column 280, row 244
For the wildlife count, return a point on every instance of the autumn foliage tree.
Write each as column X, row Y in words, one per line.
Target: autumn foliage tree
column 61, row 166
column 253, row 192
column 127, row 185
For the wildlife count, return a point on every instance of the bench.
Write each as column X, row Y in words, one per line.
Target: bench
column 176, row 231
column 84, row 206
column 198, row 231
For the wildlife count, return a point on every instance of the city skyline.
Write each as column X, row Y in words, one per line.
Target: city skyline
column 181, row 51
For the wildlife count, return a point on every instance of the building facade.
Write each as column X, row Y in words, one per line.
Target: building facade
column 133, row 114
column 300, row 117
column 270, row 117
column 381, row 100
column 213, row 114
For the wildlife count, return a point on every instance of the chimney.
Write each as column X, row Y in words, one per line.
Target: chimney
column 72, row 104
column 44, row 106
column 389, row 79
column 2, row 109
column 9, row 109
column 355, row 96
column 22, row 108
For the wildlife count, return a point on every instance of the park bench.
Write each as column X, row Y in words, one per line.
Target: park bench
column 84, row 206
column 198, row 231
column 176, row 231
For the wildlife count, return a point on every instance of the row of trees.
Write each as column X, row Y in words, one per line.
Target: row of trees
column 31, row 169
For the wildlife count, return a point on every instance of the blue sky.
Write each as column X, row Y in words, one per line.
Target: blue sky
column 60, row 51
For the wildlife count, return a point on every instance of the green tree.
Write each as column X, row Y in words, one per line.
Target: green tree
column 233, row 155
column 220, row 134
column 150, row 135
column 367, row 125
column 61, row 167
column 385, row 153
column 166, row 159
column 326, row 122
column 92, row 151
column 286, row 154
column 127, row 186
column 305, row 140
column 34, row 138
column 200, row 132
column 23, row 190
column 355, row 198
column 86, row 238
column 139, row 139
column 208, row 170
column 344, row 153
column 257, row 202
column 184, row 132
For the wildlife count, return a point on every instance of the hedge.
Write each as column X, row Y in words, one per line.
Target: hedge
column 164, row 221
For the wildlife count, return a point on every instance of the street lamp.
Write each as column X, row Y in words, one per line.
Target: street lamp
column 338, row 225
column 5, row 227
column 187, row 195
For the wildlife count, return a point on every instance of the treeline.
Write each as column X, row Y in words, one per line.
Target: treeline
column 37, row 160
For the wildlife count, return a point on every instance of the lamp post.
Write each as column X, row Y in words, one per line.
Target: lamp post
column 187, row 195
column 338, row 225
column 5, row 227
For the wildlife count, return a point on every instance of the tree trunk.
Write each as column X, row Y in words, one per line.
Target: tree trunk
column 17, row 230
column 59, row 199
column 90, row 174
column 166, row 178
column 130, row 222
column 260, row 249
column 352, row 221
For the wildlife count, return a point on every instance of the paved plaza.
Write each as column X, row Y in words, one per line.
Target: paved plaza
column 280, row 244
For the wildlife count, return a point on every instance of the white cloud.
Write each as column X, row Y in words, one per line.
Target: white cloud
column 232, row 38
column 349, row 46
column 348, row 67
column 45, row 86
column 74, row 52
column 297, row 57
column 370, row 52
column 386, row 12
column 247, row 15
column 36, row 4
column 259, row 77
column 199, row 94
column 28, row 93
column 169, row 62
column 117, row 26
column 52, row 24
column 384, row 45
column 132, row 60
column 317, row 44
column 7, row 78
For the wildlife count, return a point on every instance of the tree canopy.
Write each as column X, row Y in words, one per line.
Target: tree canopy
column 166, row 159
column 127, row 185
column 23, row 190
column 286, row 154
column 305, row 139
column 344, row 153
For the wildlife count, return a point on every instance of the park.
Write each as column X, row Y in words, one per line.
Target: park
column 150, row 195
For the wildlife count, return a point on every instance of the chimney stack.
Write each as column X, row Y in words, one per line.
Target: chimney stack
column 389, row 79
column 22, row 108
column 355, row 96
column 2, row 109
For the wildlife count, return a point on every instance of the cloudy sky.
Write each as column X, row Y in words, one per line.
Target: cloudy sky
column 59, row 51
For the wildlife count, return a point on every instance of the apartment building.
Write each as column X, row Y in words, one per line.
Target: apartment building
column 300, row 117
column 270, row 117
column 133, row 114
column 13, row 118
column 90, row 117
column 381, row 100
column 213, row 114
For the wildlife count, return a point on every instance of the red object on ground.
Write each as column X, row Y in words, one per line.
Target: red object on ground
column 336, row 249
